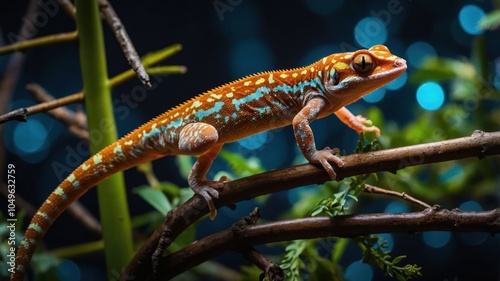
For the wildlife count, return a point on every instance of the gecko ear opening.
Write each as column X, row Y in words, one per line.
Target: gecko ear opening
column 363, row 63
column 334, row 76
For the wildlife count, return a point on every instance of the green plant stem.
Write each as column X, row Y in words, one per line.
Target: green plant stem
column 112, row 196
column 39, row 42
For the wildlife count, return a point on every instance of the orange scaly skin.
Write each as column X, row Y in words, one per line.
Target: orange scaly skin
column 228, row 113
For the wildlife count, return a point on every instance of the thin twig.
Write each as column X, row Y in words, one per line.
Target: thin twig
column 68, row 7
column 22, row 113
column 320, row 227
column 123, row 39
column 82, row 215
column 39, row 42
column 74, row 121
column 373, row 189
column 479, row 145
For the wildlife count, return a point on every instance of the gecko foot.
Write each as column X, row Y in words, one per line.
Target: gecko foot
column 360, row 125
column 324, row 157
column 208, row 190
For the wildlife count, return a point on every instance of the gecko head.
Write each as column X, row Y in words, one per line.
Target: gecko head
column 349, row 76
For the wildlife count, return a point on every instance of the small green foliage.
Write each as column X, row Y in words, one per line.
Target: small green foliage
column 374, row 254
column 184, row 163
column 242, row 167
column 292, row 263
column 155, row 197
column 337, row 203
column 303, row 261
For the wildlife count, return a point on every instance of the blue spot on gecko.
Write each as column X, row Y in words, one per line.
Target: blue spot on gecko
column 36, row 227
column 173, row 124
column 259, row 93
column 152, row 133
column 298, row 88
column 262, row 110
column 200, row 114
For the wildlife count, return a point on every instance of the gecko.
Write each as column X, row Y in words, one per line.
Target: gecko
column 250, row 105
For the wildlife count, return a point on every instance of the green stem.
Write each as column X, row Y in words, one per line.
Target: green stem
column 112, row 196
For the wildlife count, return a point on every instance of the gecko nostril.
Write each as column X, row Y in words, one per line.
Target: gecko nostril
column 399, row 62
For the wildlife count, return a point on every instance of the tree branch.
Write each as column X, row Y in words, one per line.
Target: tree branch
column 123, row 39
column 433, row 219
column 479, row 145
column 272, row 270
column 76, row 122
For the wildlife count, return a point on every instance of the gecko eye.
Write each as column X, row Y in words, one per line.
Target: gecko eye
column 362, row 63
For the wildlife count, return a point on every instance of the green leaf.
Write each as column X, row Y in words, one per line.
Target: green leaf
column 443, row 69
column 490, row 21
column 185, row 164
column 353, row 197
column 396, row 260
column 170, row 189
column 154, row 197
column 241, row 166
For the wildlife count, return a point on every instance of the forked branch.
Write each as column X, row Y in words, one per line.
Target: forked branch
column 479, row 145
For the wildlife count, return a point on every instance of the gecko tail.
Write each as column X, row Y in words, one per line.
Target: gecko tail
column 86, row 176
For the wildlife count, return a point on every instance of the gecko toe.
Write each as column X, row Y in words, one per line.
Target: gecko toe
column 208, row 190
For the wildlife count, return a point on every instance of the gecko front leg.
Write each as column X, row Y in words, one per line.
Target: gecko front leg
column 201, row 138
column 305, row 138
column 357, row 122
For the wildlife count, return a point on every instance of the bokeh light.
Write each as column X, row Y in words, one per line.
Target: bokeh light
column 375, row 96
column 396, row 207
column 452, row 174
column 430, row 96
column 470, row 206
column 254, row 142
column 30, row 136
column 418, row 52
column 68, row 270
column 398, row 82
column 469, row 17
column 359, row 271
column 436, row 239
column 370, row 31
column 28, row 141
column 388, row 241
column 472, row 238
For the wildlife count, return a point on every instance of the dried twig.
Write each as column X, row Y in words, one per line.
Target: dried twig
column 76, row 122
column 479, row 145
column 68, row 7
column 22, row 113
column 123, row 39
column 318, row 227
column 373, row 189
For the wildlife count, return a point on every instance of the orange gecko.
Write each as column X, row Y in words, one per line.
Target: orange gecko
column 228, row 113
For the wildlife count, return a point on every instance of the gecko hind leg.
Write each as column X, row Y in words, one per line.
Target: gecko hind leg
column 201, row 138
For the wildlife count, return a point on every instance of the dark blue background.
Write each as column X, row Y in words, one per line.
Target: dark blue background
column 219, row 47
